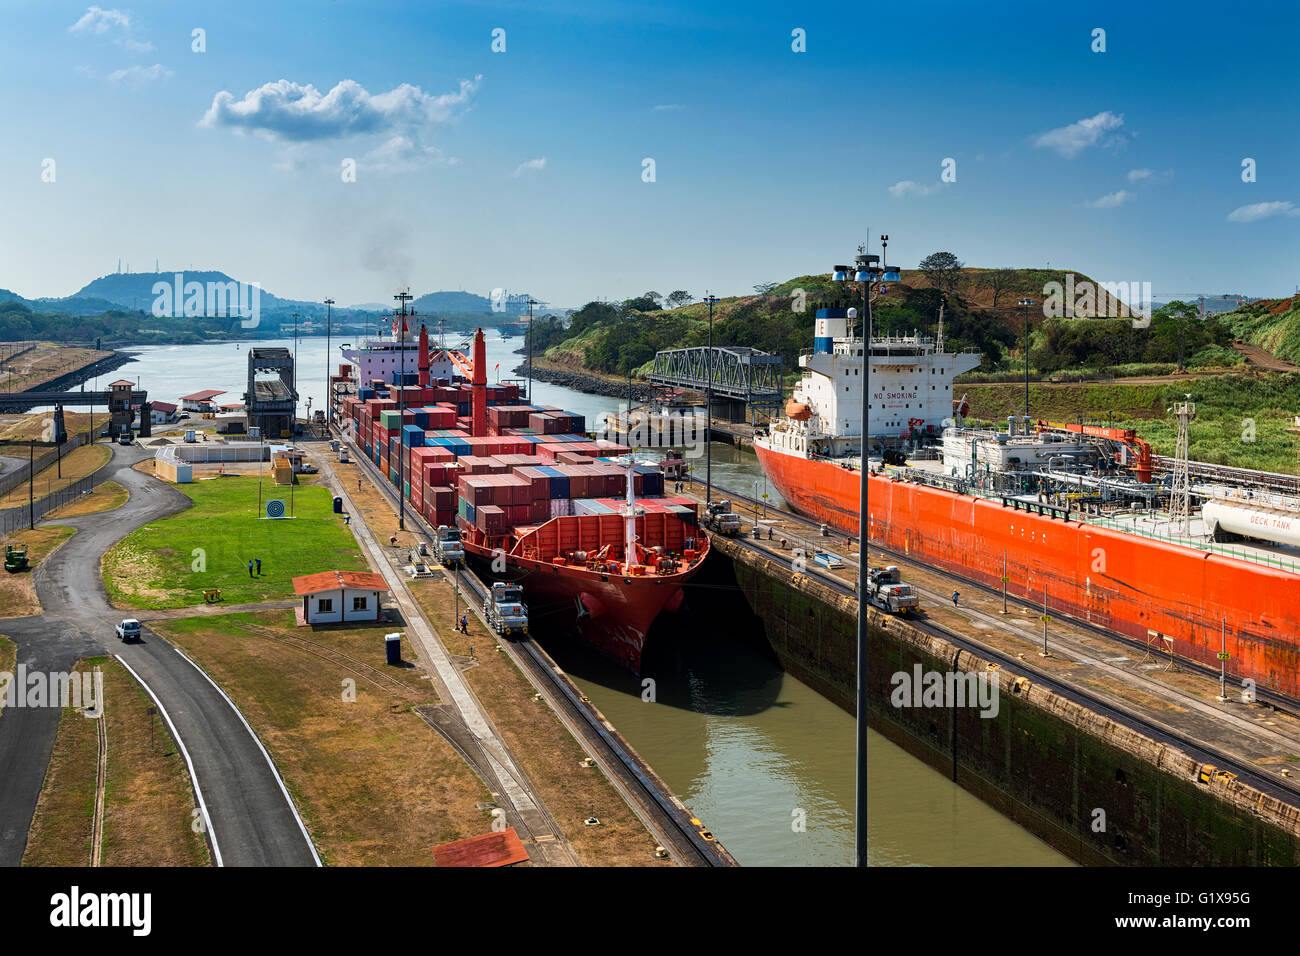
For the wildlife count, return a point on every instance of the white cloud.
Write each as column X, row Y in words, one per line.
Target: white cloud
column 136, row 77
column 1263, row 210
column 668, row 106
column 114, row 24
column 539, row 163
column 1150, row 176
column 1111, row 200
column 401, row 154
column 905, row 187
column 295, row 112
column 1071, row 140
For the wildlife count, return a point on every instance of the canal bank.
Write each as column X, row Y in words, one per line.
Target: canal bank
column 1115, row 777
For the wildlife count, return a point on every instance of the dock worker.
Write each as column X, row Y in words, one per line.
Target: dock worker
column 259, row 565
column 250, row 569
column 955, row 595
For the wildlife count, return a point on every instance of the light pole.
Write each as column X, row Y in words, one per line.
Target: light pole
column 1025, row 304
column 402, row 313
column 869, row 273
column 531, row 302
column 293, row 422
column 711, row 300
column 329, row 396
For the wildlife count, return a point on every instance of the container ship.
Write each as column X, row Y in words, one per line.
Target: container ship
column 585, row 530
column 1195, row 559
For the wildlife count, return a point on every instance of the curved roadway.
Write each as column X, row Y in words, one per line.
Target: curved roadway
column 251, row 821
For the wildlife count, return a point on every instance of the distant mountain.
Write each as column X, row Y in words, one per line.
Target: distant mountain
column 134, row 291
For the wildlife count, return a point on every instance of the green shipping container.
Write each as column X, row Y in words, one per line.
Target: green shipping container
column 392, row 475
column 390, row 419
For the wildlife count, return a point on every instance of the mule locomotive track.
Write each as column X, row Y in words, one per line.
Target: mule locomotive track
column 687, row 841
column 1279, row 787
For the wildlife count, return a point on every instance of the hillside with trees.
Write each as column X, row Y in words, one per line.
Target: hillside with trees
column 980, row 311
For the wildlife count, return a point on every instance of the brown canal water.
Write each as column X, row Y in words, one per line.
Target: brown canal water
column 768, row 764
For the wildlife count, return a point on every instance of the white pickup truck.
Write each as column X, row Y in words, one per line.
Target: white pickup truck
column 128, row 630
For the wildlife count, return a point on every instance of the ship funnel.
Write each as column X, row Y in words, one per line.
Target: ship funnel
column 478, row 383
column 424, row 356
column 831, row 324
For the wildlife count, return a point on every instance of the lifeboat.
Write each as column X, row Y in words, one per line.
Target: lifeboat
column 799, row 411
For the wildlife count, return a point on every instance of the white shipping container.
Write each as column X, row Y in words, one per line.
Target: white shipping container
column 561, row 507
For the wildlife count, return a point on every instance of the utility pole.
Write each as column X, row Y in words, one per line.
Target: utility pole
column 402, row 298
column 293, row 422
column 31, row 484
column 329, row 396
column 711, row 300
column 531, row 302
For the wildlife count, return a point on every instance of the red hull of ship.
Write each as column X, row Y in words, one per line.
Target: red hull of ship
column 613, row 615
column 1141, row 587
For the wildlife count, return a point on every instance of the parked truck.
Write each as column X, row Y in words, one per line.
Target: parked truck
column 128, row 630
column 506, row 612
column 886, row 590
column 719, row 517
column 447, row 546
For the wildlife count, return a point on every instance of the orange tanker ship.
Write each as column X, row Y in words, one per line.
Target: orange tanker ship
column 1107, row 555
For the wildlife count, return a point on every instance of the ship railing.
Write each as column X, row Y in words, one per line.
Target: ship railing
column 1265, row 558
column 965, row 487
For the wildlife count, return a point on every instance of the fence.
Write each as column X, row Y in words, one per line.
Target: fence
column 22, row 517
column 9, row 480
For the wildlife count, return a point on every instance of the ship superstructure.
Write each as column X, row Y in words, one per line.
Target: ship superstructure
column 911, row 384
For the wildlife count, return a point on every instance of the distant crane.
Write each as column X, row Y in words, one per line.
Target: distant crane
column 1180, row 502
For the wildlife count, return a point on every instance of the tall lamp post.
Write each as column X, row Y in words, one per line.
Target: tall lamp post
column 531, row 302
column 293, row 422
column 873, row 279
column 711, row 300
column 329, row 396
column 402, row 313
column 1026, row 304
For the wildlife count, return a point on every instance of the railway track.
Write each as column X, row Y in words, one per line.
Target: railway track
column 686, row 839
column 1279, row 702
column 1280, row 787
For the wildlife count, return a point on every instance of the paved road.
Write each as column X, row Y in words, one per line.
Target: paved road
column 252, row 821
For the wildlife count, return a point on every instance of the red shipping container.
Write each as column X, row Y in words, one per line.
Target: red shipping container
column 490, row 519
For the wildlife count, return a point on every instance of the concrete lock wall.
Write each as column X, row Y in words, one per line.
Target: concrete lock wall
column 1095, row 789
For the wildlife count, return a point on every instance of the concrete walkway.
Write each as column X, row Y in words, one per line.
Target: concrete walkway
column 464, row 707
column 252, row 822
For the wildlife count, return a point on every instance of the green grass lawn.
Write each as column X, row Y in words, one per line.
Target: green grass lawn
column 169, row 563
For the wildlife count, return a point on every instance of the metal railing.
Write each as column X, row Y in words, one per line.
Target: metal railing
column 22, row 517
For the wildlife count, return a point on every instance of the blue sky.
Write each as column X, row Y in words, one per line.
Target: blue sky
column 523, row 169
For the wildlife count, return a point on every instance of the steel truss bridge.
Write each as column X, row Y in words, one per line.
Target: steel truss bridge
column 739, row 373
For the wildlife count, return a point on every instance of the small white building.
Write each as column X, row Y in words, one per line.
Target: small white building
column 332, row 597
column 201, row 401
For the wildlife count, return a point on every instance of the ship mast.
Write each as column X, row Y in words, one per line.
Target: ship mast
column 629, row 515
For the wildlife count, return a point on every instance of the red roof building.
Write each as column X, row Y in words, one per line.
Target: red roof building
column 201, row 401
column 331, row 597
